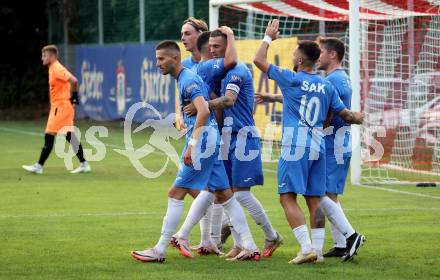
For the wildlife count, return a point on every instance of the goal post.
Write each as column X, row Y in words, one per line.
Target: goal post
column 354, row 62
column 393, row 60
column 355, row 74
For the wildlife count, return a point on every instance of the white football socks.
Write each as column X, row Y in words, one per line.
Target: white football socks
column 235, row 236
column 302, row 235
column 196, row 212
column 170, row 222
column 256, row 211
column 216, row 223
column 205, row 227
column 238, row 220
column 338, row 237
column 336, row 216
column 318, row 237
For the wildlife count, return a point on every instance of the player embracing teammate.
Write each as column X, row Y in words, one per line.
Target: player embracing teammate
column 309, row 102
column 241, row 151
column 200, row 167
column 216, row 94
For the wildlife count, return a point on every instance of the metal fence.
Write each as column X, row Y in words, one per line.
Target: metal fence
column 119, row 21
column 79, row 22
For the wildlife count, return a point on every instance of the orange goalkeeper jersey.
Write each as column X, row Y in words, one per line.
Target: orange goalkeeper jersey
column 59, row 83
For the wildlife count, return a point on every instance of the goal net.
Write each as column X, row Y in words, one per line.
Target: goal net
column 399, row 77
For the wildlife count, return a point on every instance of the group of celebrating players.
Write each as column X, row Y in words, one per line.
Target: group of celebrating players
column 216, row 92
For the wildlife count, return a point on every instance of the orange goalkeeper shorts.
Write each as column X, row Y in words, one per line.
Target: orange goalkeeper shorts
column 61, row 117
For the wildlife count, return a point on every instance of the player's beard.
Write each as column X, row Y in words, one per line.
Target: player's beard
column 295, row 68
column 322, row 66
column 165, row 71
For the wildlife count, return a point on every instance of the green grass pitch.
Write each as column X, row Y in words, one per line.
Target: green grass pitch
column 64, row 226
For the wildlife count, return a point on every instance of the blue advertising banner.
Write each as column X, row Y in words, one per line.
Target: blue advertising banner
column 113, row 77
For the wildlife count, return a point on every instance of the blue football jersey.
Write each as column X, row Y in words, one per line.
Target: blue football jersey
column 341, row 82
column 239, row 80
column 212, row 72
column 307, row 98
column 190, row 86
column 190, row 63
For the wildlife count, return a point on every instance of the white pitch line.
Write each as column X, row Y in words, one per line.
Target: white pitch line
column 401, row 192
column 22, row 131
column 390, row 209
column 265, row 169
column 42, row 134
column 61, row 215
column 380, row 188
column 90, row 142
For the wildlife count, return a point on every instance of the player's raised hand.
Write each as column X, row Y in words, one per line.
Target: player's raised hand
column 190, row 110
column 226, row 30
column 272, row 29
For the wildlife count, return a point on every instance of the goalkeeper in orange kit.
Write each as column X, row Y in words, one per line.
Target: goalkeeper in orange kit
column 62, row 111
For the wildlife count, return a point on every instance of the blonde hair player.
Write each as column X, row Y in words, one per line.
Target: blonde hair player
column 191, row 29
column 190, row 32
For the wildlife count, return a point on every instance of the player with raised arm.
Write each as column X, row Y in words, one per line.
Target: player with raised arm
column 62, row 111
column 241, row 138
column 192, row 28
column 338, row 143
column 307, row 98
column 212, row 71
column 196, row 172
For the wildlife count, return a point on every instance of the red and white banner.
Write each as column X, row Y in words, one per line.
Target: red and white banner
column 338, row 10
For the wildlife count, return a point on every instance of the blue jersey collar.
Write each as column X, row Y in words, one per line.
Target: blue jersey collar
column 336, row 69
column 180, row 74
column 302, row 71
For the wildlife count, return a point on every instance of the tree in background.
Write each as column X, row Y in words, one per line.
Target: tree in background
column 23, row 80
column 27, row 28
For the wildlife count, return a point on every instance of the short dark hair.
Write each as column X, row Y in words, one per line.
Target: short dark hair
column 218, row 33
column 198, row 24
column 310, row 49
column 168, row 45
column 333, row 44
column 203, row 39
column 50, row 48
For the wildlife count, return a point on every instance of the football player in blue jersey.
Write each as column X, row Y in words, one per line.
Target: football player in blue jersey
column 212, row 71
column 199, row 168
column 191, row 29
column 307, row 98
column 338, row 143
column 241, row 150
